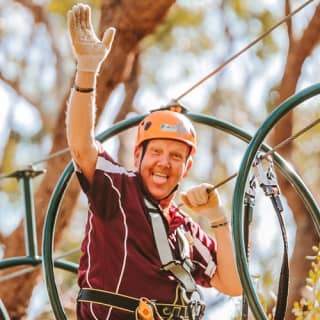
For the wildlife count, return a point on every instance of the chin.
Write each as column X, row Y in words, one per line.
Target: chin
column 158, row 195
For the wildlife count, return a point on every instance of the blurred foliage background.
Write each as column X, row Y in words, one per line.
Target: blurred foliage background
column 36, row 73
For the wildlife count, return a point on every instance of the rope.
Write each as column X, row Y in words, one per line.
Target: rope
column 251, row 44
column 215, row 71
column 272, row 151
column 23, row 271
column 51, row 156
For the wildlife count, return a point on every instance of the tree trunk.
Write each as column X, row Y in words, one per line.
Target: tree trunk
column 133, row 20
column 306, row 235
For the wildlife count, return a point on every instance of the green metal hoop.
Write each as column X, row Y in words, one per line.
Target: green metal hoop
column 238, row 197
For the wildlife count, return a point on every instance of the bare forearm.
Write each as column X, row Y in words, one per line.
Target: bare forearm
column 80, row 122
column 226, row 278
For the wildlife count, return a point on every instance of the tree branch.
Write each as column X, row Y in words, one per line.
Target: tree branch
column 289, row 22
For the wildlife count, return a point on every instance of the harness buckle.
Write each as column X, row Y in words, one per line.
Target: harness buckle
column 147, row 310
column 195, row 304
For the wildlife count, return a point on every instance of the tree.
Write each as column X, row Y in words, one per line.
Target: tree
column 134, row 21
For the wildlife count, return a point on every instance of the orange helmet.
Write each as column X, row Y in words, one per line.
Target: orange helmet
column 166, row 124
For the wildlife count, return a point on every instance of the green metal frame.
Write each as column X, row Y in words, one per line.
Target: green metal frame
column 237, row 224
column 238, row 197
column 31, row 257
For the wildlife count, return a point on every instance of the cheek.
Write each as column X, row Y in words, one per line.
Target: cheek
column 180, row 170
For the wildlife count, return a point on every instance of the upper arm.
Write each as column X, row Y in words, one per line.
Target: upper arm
column 85, row 158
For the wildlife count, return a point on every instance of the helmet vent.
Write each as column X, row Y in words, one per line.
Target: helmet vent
column 147, row 125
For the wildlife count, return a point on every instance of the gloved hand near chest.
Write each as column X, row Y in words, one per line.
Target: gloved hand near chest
column 205, row 201
column 88, row 50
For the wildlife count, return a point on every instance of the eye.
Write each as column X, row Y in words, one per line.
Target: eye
column 156, row 151
column 177, row 156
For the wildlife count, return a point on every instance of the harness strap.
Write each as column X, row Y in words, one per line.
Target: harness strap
column 160, row 236
column 127, row 303
column 180, row 269
column 3, row 312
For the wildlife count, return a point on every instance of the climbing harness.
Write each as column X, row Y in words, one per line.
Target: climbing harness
column 264, row 176
column 138, row 306
column 147, row 310
column 192, row 307
column 179, row 268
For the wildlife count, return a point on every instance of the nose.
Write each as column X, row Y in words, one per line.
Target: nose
column 164, row 160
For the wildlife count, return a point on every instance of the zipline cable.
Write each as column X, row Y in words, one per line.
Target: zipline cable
column 236, row 55
column 215, row 71
column 273, row 150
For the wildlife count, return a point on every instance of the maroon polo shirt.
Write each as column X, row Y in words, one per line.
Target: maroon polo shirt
column 119, row 253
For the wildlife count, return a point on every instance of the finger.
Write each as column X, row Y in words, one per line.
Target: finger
column 209, row 187
column 71, row 24
column 77, row 15
column 185, row 200
column 83, row 16
column 88, row 17
column 196, row 197
column 199, row 194
column 108, row 37
column 192, row 197
column 203, row 195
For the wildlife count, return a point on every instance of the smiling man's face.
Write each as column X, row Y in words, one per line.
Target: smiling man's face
column 163, row 165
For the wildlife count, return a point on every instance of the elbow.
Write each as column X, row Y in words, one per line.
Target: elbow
column 234, row 291
column 85, row 155
column 231, row 286
column 81, row 148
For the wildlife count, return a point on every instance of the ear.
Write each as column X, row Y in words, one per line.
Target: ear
column 137, row 156
column 188, row 167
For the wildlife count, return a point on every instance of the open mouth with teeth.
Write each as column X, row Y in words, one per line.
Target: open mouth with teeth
column 159, row 178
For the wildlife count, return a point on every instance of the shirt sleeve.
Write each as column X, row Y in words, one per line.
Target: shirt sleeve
column 204, row 254
column 107, row 185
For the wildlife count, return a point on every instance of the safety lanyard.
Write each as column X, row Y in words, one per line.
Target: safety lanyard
column 180, row 269
column 249, row 202
column 266, row 178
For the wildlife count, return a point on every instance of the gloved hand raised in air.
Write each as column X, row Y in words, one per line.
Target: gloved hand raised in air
column 205, row 201
column 89, row 51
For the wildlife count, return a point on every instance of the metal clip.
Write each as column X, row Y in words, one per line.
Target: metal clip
column 250, row 194
column 263, row 171
column 195, row 304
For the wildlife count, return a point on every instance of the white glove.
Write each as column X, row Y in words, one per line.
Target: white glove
column 89, row 51
column 205, row 201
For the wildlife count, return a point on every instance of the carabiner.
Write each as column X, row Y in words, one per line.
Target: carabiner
column 263, row 171
column 195, row 304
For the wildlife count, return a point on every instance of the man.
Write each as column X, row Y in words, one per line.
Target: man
column 141, row 255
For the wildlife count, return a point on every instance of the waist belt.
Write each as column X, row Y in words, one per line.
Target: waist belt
column 129, row 304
